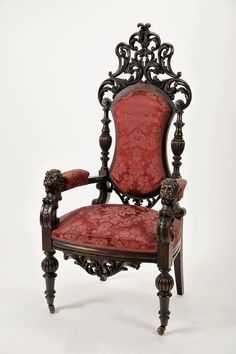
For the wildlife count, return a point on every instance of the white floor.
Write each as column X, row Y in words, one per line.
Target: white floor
column 118, row 316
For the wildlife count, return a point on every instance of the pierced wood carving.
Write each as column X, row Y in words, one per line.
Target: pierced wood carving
column 139, row 201
column 145, row 59
column 101, row 267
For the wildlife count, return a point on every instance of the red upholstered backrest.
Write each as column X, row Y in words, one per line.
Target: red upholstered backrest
column 142, row 114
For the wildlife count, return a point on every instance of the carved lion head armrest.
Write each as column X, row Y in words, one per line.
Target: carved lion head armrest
column 172, row 189
column 171, row 192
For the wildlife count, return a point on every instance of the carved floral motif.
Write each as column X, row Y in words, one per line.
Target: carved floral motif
column 101, row 267
column 145, row 59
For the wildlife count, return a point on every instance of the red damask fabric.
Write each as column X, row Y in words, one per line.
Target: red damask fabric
column 141, row 116
column 182, row 184
column 113, row 226
column 75, row 178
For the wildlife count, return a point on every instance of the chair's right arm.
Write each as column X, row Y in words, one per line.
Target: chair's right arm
column 171, row 192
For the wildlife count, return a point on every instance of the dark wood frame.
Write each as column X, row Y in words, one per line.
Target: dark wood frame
column 144, row 60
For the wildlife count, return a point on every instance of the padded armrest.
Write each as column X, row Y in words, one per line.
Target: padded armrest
column 182, row 184
column 75, row 178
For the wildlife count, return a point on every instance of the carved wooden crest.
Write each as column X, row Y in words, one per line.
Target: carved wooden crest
column 145, row 59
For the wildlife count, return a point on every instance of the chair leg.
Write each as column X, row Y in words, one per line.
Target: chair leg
column 49, row 266
column 179, row 276
column 164, row 283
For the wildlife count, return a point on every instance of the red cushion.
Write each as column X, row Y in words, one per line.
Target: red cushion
column 182, row 184
column 121, row 227
column 141, row 115
column 75, row 178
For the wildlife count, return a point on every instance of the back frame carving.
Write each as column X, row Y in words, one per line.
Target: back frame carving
column 143, row 60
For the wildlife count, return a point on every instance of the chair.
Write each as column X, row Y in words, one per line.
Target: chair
column 144, row 94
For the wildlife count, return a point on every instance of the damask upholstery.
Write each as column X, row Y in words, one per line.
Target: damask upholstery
column 123, row 227
column 182, row 184
column 141, row 116
column 75, row 178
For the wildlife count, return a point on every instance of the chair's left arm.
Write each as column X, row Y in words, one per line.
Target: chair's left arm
column 55, row 183
column 171, row 192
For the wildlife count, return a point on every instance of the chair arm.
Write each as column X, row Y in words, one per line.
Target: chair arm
column 182, row 184
column 55, row 183
column 171, row 192
column 75, row 178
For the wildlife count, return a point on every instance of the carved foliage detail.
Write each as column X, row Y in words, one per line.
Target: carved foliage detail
column 145, row 59
column 129, row 200
column 100, row 266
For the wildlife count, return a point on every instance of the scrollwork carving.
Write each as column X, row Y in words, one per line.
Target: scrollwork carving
column 145, row 59
column 101, row 267
column 139, row 201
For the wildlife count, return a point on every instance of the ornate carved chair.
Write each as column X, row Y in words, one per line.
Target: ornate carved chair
column 104, row 239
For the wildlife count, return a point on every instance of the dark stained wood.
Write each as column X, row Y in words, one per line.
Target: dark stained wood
column 178, row 266
column 143, row 60
column 50, row 266
column 106, row 253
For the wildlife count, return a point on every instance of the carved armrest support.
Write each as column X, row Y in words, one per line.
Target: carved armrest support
column 54, row 184
column 104, row 192
column 171, row 192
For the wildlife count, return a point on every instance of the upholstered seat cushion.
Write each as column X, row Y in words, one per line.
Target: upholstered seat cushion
column 114, row 226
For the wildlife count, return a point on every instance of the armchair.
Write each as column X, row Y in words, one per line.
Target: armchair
column 143, row 95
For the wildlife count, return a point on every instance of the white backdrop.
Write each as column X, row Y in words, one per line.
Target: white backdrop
column 54, row 55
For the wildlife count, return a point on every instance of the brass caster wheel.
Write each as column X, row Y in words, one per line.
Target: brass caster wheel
column 161, row 330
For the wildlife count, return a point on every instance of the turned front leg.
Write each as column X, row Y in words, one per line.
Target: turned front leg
column 164, row 284
column 49, row 266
